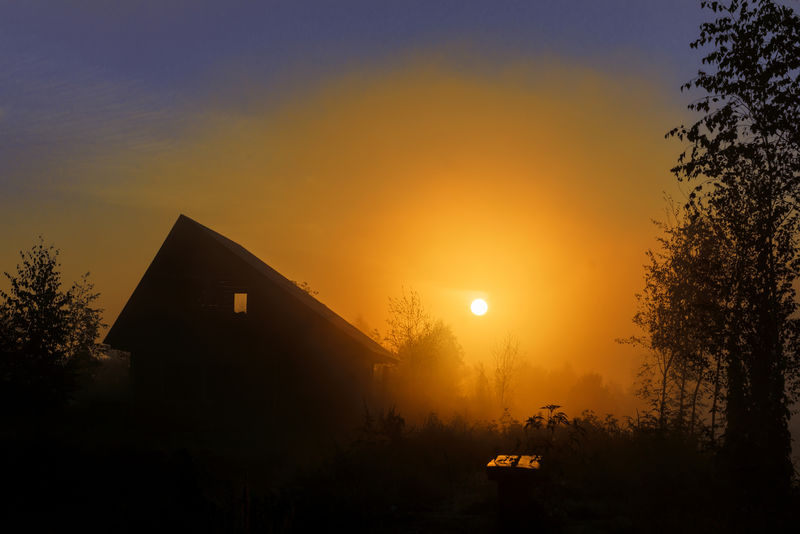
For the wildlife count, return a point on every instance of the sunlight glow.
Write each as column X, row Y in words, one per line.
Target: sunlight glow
column 479, row 307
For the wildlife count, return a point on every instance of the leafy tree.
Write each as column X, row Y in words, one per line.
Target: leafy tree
column 432, row 363
column 681, row 314
column 744, row 162
column 47, row 333
column 430, row 366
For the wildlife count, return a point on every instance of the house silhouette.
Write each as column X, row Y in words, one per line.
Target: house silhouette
column 224, row 346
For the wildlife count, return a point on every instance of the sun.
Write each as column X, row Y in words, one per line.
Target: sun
column 479, row 307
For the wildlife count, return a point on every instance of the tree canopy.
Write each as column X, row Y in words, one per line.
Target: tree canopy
column 47, row 332
column 431, row 361
column 720, row 301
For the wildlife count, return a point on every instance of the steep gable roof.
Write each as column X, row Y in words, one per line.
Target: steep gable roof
column 273, row 277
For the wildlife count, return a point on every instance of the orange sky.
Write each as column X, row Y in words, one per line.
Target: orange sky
column 531, row 185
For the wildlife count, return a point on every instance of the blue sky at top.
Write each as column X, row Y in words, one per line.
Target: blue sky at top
column 72, row 71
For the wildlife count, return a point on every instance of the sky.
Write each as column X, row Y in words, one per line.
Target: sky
column 512, row 151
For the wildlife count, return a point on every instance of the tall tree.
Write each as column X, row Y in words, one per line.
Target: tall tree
column 431, row 363
column 47, row 332
column 680, row 316
column 744, row 162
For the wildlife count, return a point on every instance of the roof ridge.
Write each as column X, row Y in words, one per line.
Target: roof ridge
column 290, row 287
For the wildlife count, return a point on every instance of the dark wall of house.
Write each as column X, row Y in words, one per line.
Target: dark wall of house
column 277, row 371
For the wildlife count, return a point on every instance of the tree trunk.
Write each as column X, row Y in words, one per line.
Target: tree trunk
column 695, row 394
column 715, row 397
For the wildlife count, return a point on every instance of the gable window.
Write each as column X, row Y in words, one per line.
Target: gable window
column 240, row 303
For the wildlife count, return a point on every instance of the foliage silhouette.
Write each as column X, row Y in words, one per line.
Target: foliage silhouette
column 744, row 161
column 428, row 375
column 48, row 334
column 682, row 312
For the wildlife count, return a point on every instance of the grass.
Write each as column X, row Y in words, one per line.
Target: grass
column 94, row 470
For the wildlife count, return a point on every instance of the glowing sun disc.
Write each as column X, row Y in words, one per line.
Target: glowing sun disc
column 479, row 307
